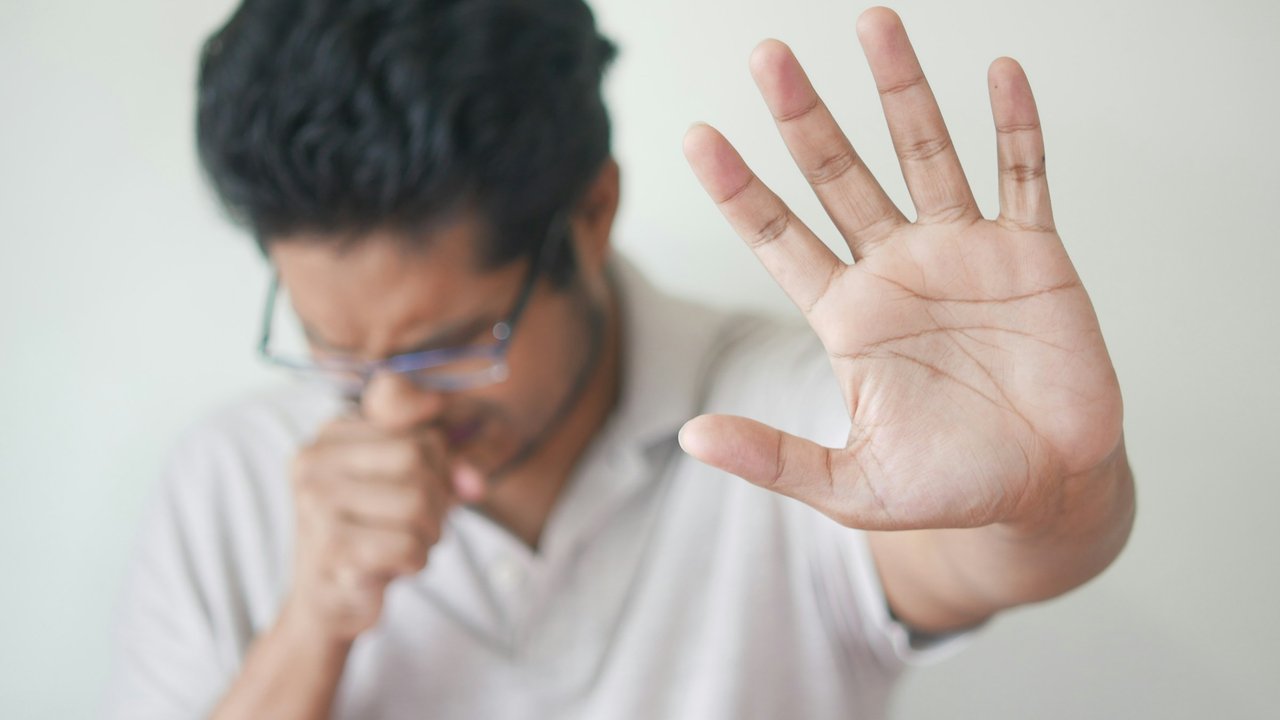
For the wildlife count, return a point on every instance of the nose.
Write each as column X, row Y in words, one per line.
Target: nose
column 394, row 403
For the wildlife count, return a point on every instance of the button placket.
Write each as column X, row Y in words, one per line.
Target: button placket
column 507, row 576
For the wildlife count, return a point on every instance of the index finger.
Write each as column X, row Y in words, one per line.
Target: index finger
column 851, row 195
column 793, row 255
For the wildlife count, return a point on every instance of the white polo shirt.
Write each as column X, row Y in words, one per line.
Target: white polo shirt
column 662, row 588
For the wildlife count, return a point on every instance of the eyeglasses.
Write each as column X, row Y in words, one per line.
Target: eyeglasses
column 440, row 370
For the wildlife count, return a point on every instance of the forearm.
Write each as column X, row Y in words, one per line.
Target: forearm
column 938, row 580
column 290, row 673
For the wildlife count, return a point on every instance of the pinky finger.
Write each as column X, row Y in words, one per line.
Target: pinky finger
column 1024, row 189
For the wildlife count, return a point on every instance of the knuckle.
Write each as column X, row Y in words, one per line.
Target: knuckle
column 416, row 558
column 1022, row 172
column 951, row 212
column 924, row 149
column 403, row 456
column 340, row 426
column 408, row 554
column 302, row 466
column 368, row 604
column 904, row 86
column 431, row 444
column 779, row 467
column 311, row 499
column 428, row 462
column 323, row 544
column 362, row 607
column 430, row 536
column 802, row 112
column 878, row 228
column 740, row 192
column 830, row 280
column 328, row 432
column 367, row 556
column 832, row 167
column 310, row 508
column 1018, row 128
column 418, row 505
column 1017, row 225
column 345, row 579
column 770, row 230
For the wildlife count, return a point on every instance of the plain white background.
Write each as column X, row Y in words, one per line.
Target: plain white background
column 128, row 306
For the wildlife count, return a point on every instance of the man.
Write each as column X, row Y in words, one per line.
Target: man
column 483, row 511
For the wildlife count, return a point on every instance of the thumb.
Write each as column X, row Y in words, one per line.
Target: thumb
column 762, row 455
column 784, row 463
column 468, row 482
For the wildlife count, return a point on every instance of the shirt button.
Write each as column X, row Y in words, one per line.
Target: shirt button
column 506, row 576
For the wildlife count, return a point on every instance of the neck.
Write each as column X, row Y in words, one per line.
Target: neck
column 524, row 498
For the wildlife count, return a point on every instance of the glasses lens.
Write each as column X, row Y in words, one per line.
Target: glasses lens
column 346, row 382
column 445, row 370
column 287, row 347
column 474, row 370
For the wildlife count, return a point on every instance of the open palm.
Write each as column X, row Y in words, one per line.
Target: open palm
column 968, row 352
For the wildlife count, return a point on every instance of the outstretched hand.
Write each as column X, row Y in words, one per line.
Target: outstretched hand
column 967, row 350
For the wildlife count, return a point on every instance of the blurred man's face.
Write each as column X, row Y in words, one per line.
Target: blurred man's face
column 377, row 299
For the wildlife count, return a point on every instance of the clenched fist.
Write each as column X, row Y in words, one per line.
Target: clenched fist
column 370, row 505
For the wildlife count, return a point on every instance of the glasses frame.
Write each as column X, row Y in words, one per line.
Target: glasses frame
column 411, row 365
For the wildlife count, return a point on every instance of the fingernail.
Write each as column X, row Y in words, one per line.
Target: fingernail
column 681, row 437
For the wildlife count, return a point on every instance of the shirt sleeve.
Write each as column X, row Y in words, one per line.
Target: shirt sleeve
column 858, row 609
column 207, row 573
column 165, row 661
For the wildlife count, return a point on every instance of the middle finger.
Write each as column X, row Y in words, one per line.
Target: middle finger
column 929, row 163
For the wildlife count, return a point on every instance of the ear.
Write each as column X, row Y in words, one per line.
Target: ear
column 592, row 220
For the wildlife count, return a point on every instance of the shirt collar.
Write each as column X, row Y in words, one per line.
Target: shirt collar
column 667, row 344
column 667, row 348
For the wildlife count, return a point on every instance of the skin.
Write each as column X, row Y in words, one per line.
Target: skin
column 986, row 414
column 986, row 455
column 372, row 490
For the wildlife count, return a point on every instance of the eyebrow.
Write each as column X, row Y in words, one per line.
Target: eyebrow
column 450, row 335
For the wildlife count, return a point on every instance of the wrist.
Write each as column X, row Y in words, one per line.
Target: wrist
column 291, row 672
column 1075, row 535
column 1075, row 503
column 298, row 626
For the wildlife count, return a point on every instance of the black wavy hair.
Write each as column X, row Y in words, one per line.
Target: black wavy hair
column 340, row 117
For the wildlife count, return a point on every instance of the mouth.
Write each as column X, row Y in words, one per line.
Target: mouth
column 459, row 435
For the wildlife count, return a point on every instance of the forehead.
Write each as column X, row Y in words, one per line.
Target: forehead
column 380, row 291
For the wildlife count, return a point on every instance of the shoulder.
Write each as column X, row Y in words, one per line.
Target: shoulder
column 687, row 358
column 776, row 371
column 683, row 358
column 211, row 558
column 266, row 421
column 223, row 505
column 238, row 453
